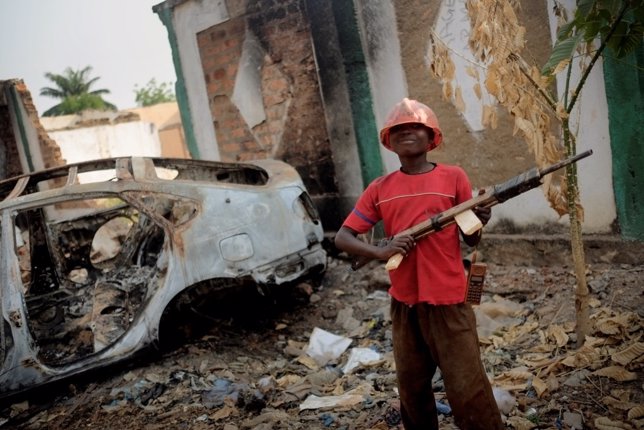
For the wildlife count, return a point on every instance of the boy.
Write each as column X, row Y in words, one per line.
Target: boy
column 432, row 326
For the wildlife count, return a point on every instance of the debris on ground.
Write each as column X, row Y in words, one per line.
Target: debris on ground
column 321, row 358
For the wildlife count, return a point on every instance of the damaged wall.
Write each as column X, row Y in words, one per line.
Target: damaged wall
column 263, row 92
column 92, row 135
column 258, row 67
column 153, row 131
column 9, row 158
column 29, row 143
column 338, row 112
column 24, row 143
column 255, row 61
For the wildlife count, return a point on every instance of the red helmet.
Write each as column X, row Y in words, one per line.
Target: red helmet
column 411, row 111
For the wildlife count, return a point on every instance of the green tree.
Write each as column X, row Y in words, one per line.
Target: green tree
column 619, row 26
column 73, row 88
column 153, row 93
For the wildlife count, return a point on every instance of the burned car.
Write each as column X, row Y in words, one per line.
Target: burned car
column 93, row 253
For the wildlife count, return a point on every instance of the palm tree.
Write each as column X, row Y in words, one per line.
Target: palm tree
column 73, row 89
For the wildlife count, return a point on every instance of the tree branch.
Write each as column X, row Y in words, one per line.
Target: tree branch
column 596, row 57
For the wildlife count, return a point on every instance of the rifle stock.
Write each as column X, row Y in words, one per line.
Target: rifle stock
column 493, row 195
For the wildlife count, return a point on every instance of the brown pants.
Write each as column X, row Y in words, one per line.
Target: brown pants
column 426, row 336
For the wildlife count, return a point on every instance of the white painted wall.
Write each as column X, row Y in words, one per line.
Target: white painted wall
column 589, row 121
column 379, row 34
column 106, row 141
column 190, row 18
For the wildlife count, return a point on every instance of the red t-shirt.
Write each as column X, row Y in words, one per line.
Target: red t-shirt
column 433, row 271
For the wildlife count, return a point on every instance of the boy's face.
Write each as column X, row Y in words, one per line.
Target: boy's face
column 410, row 139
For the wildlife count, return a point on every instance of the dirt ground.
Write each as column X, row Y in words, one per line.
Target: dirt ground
column 241, row 362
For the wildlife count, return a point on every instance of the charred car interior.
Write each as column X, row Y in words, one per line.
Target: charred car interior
column 93, row 253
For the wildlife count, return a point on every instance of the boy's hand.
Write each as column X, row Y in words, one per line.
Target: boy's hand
column 396, row 245
column 483, row 213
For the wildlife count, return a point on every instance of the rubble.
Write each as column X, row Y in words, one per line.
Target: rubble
column 255, row 369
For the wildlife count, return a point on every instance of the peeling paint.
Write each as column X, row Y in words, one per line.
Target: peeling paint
column 247, row 93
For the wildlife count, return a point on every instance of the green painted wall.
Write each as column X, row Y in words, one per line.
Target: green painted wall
column 364, row 122
column 624, row 81
column 165, row 15
column 24, row 140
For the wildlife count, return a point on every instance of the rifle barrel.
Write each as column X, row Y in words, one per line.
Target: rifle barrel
column 565, row 162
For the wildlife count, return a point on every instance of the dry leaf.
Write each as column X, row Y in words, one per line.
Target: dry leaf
column 539, row 386
column 543, row 348
column 615, row 325
column 561, row 66
column 477, row 91
column 289, row 379
column 459, row 103
column 491, row 83
column 519, row 373
column 593, row 341
column 622, row 394
column 629, row 354
column 583, row 357
column 617, row 404
column 636, row 412
column 535, row 360
column 472, row 71
column 447, row 90
column 486, row 115
column 594, row 303
column 560, row 111
column 553, row 383
column 524, row 125
column 223, row 413
column 603, row 423
column 617, row 373
column 520, row 423
column 559, row 335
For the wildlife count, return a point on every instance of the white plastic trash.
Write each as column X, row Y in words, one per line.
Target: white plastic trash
column 324, row 346
column 361, row 356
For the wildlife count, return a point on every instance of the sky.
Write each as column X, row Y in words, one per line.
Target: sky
column 124, row 42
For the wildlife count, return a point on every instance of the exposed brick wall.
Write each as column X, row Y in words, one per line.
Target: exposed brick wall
column 49, row 150
column 10, row 139
column 9, row 149
column 294, row 129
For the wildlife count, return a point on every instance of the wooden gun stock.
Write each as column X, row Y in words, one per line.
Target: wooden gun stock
column 462, row 213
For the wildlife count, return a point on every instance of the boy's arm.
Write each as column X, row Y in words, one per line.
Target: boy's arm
column 346, row 240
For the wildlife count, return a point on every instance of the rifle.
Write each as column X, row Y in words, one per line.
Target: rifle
column 463, row 215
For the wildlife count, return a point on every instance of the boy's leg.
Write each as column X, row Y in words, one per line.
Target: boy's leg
column 414, row 369
column 451, row 331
